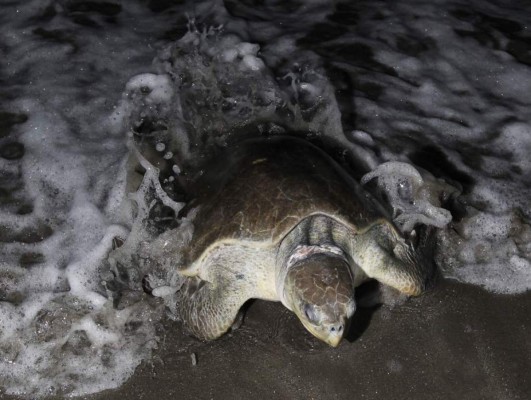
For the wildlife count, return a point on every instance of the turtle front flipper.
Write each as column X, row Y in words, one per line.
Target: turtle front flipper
column 383, row 254
column 209, row 309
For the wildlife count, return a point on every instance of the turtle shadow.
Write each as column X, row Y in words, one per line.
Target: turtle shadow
column 360, row 322
column 365, row 295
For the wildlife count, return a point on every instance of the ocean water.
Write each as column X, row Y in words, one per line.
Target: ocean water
column 431, row 96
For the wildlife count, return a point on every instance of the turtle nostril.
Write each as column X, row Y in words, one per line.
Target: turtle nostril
column 338, row 328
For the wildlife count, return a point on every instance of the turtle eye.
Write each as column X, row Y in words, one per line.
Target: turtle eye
column 311, row 313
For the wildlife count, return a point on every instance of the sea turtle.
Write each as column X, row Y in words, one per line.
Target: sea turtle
column 279, row 220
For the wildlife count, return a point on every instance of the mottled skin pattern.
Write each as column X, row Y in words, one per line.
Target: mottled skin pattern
column 284, row 222
column 320, row 291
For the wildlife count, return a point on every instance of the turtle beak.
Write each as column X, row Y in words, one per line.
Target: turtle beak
column 331, row 335
column 335, row 334
column 334, row 340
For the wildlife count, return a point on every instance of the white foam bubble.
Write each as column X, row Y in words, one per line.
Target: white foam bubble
column 409, row 195
column 59, row 332
column 253, row 63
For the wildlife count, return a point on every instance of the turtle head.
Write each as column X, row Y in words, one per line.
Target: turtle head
column 319, row 289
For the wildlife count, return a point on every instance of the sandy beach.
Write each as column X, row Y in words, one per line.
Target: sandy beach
column 455, row 342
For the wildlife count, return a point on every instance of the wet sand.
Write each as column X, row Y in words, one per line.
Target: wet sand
column 455, row 342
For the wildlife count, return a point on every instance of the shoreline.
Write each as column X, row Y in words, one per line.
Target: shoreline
column 456, row 341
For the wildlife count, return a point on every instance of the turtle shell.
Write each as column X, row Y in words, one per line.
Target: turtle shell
column 264, row 188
